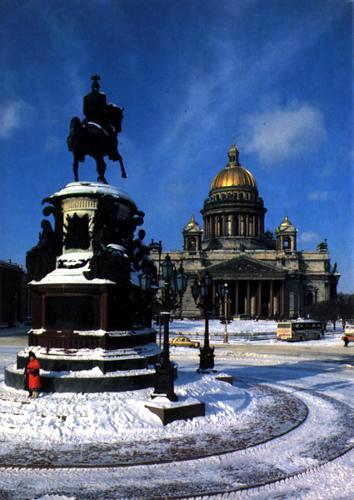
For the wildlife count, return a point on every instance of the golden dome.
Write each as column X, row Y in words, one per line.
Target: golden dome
column 192, row 225
column 285, row 224
column 233, row 175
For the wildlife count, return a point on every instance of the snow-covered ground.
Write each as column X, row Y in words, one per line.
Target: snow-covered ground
column 241, row 331
column 269, row 391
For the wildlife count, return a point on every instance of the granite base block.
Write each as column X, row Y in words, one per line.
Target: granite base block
column 177, row 411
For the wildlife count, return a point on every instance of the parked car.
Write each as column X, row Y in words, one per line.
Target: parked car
column 183, row 341
column 348, row 333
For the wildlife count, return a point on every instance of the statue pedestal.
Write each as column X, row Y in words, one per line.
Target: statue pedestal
column 87, row 313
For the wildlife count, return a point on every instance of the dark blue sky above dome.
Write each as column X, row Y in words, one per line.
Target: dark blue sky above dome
column 194, row 76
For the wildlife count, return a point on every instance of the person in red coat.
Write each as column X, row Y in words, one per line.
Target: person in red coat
column 32, row 375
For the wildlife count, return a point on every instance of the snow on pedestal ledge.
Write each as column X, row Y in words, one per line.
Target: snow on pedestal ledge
column 98, row 354
column 71, row 277
column 90, row 188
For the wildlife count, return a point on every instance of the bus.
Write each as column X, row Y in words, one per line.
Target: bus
column 300, row 329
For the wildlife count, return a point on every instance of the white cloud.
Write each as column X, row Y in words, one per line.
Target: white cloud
column 10, row 117
column 318, row 196
column 283, row 133
column 310, row 236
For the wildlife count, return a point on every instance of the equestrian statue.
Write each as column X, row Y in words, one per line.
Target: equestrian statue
column 96, row 135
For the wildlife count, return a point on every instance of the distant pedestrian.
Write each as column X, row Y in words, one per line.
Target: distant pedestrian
column 32, row 375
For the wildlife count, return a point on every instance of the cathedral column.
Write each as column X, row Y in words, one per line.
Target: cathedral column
column 259, row 301
column 229, row 225
column 248, row 310
column 282, row 298
column 253, row 304
column 236, row 297
column 276, row 300
column 220, row 225
column 271, row 299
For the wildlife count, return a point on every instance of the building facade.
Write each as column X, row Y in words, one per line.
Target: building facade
column 13, row 294
column 266, row 275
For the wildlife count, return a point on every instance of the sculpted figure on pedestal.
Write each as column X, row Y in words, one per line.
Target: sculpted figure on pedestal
column 41, row 259
column 97, row 134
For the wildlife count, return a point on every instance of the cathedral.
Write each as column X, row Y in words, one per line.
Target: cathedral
column 266, row 276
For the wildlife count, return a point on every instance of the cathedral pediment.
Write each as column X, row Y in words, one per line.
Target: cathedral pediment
column 245, row 267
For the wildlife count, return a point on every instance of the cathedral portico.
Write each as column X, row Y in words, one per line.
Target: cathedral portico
column 254, row 289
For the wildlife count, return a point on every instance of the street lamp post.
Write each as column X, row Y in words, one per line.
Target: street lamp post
column 223, row 291
column 174, row 283
column 201, row 294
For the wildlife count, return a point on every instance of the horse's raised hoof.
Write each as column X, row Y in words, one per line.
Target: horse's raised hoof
column 124, row 175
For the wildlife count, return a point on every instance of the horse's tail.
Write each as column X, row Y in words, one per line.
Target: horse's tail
column 75, row 125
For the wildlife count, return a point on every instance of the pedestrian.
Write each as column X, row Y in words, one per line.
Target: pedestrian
column 32, row 375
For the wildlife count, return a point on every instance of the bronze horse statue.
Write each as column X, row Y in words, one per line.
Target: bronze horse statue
column 96, row 135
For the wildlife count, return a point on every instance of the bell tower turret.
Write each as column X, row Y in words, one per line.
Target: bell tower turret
column 286, row 236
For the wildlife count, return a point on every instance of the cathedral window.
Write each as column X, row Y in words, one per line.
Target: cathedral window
column 309, row 298
column 192, row 245
column 286, row 243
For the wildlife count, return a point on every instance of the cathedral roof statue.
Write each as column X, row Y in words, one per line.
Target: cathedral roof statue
column 192, row 225
column 233, row 174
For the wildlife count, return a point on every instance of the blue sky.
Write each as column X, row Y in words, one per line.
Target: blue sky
column 273, row 76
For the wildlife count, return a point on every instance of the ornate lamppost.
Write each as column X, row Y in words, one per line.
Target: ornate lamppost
column 201, row 292
column 223, row 292
column 174, row 284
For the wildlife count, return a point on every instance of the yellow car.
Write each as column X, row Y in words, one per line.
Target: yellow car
column 184, row 342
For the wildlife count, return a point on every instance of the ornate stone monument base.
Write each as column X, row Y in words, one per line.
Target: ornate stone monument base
column 91, row 320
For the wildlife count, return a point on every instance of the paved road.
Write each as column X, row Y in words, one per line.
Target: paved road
column 318, row 352
column 14, row 336
column 17, row 336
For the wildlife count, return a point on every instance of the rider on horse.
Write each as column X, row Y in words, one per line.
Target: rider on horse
column 97, row 111
column 96, row 135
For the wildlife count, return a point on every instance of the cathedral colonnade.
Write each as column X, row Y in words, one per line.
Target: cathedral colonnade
column 233, row 225
column 253, row 297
